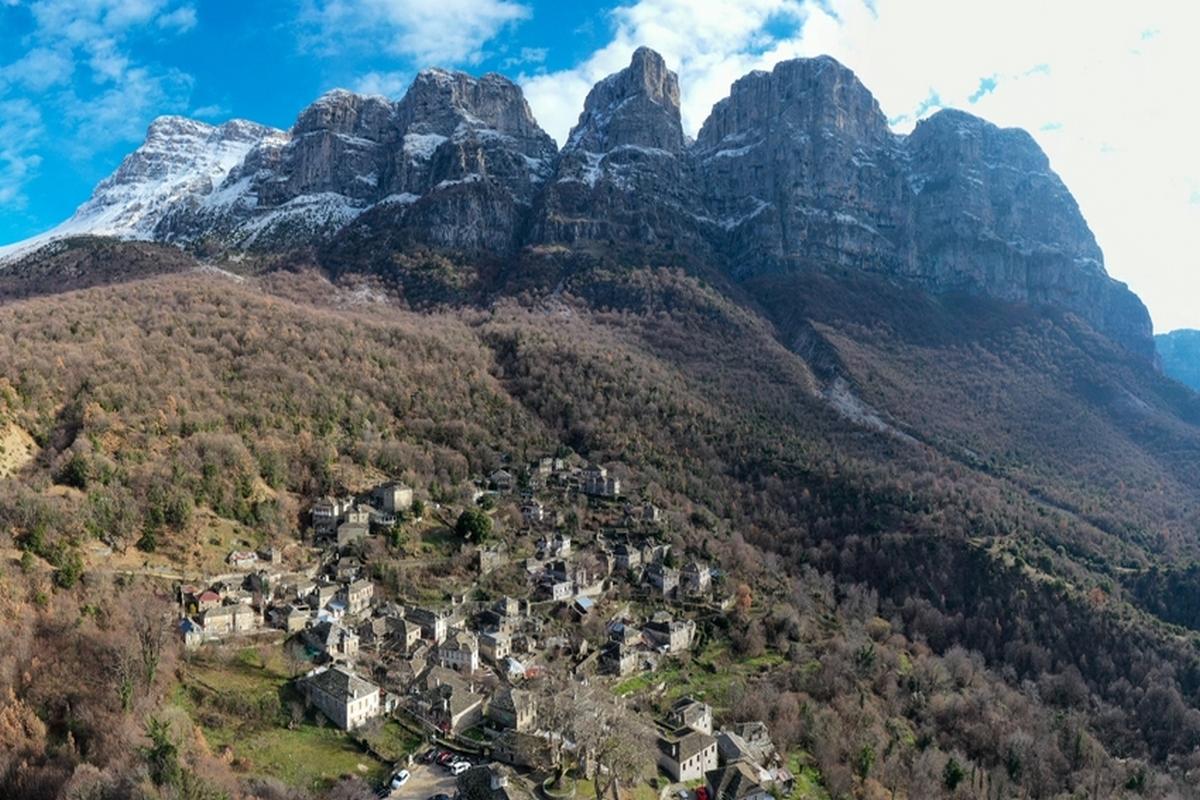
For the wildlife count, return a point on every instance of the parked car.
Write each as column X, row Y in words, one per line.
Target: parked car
column 439, row 797
column 445, row 758
column 701, row 793
column 459, row 767
column 430, row 755
column 682, row 794
column 399, row 779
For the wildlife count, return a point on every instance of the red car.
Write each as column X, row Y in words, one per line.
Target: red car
column 446, row 757
column 701, row 793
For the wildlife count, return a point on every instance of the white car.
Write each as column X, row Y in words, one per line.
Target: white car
column 459, row 767
column 399, row 779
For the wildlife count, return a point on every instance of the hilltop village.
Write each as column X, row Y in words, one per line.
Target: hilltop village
column 556, row 594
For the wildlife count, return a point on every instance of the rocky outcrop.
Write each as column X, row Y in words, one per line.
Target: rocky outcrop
column 626, row 173
column 991, row 217
column 797, row 169
column 800, row 168
column 169, row 189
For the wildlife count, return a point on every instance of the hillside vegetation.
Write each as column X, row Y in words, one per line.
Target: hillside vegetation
column 966, row 530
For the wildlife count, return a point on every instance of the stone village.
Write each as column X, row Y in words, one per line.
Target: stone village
column 596, row 604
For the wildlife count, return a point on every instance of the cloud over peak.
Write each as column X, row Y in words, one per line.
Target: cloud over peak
column 445, row 32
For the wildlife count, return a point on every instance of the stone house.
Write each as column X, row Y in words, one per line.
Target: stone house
column 606, row 487
column 459, row 651
column 394, row 497
column 556, row 546
column 696, row 578
column 333, row 639
column 359, row 514
column 617, row 658
column 290, row 618
column 559, row 591
column 746, row 741
column 626, row 557
column 208, row 599
column 495, row 646
column 492, row 558
column 687, row 712
column 735, row 782
column 322, row 594
column 346, row 699
column 403, row 632
column 515, row 709
column 357, row 596
column 230, row 619
column 433, row 624
column 503, row 480
column 350, row 532
column 373, row 633
column 662, row 579
column 325, row 514
column 217, row 621
column 673, row 636
column 347, row 568
column 442, row 697
column 687, row 755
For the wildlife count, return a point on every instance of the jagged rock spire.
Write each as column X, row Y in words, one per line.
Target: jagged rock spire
column 636, row 107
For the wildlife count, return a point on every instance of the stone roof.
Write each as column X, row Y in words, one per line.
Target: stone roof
column 685, row 743
column 341, row 684
column 734, row 782
column 458, row 639
column 515, row 701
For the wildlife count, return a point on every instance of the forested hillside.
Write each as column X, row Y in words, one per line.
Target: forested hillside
column 966, row 531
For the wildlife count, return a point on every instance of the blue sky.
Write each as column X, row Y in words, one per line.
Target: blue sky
column 1106, row 88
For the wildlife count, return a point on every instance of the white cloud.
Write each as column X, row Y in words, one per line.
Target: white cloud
column 445, row 32
column 1105, row 88
column 77, row 87
column 388, row 84
column 181, row 20
column 122, row 111
column 20, row 129
column 39, row 69
column 214, row 111
column 708, row 44
column 528, row 55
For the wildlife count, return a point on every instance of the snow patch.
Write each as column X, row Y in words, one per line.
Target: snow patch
column 735, row 152
column 356, row 141
column 308, row 215
column 421, row 146
column 403, row 199
column 729, row 223
column 473, row 177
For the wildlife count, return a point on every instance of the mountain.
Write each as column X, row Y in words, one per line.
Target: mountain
column 795, row 170
column 1180, row 354
column 881, row 383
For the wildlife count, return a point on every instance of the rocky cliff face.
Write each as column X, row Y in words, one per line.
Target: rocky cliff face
column 626, row 172
column 799, row 168
column 796, row 169
column 991, row 217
